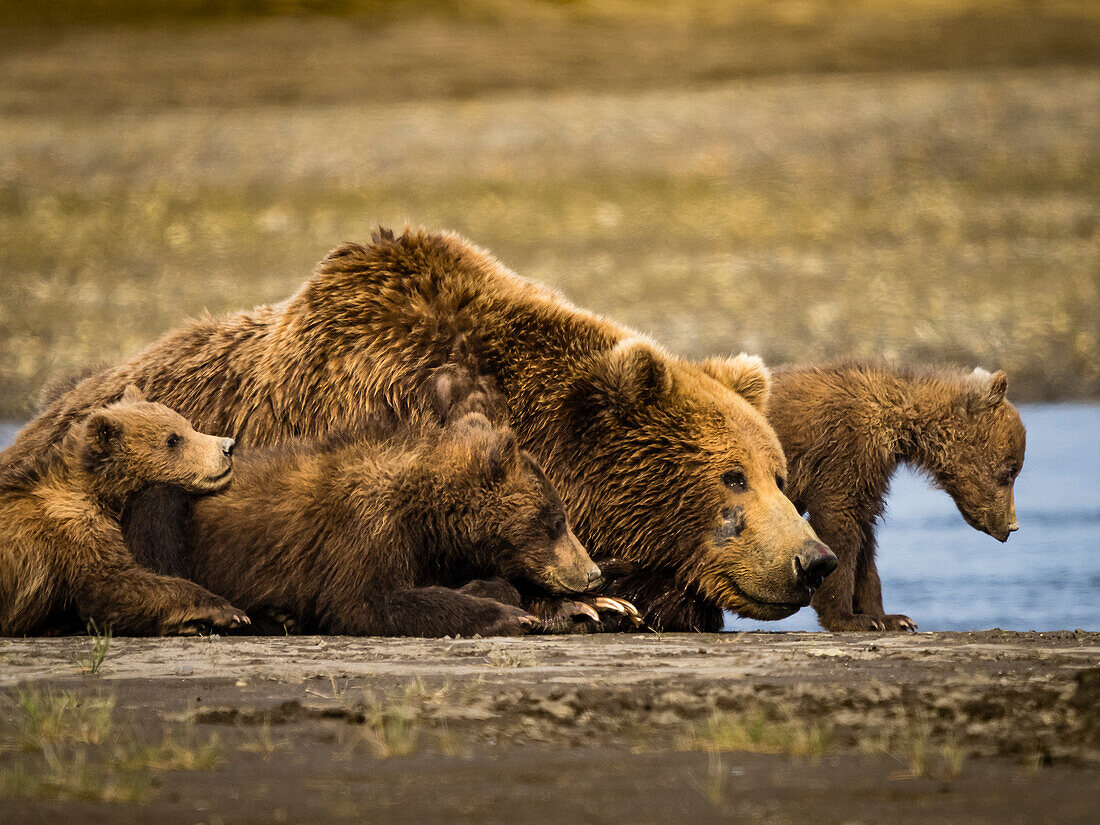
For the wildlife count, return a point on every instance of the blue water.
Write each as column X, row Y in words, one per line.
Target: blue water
column 947, row 576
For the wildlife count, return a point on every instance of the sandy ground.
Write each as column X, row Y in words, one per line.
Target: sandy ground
column 779, row 727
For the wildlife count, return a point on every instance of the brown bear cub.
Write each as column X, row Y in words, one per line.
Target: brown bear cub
column 409, row 535
column 61, row 550
column 846, row 428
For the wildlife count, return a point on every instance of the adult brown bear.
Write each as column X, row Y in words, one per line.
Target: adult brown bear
column 665, row 465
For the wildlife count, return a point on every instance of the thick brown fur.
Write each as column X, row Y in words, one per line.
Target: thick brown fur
column 375, row 537
column 61, row 546
column 846, row 428
column 661, row 463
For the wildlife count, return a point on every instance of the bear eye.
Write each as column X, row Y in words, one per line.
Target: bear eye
column 735, row 480
column 779, row 482
column 1007, row 474
column 174, row 440
column 557, row 528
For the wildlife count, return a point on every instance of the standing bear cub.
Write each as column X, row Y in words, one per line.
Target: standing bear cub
column 61, row 549
column 416, row 534
column 846, row 428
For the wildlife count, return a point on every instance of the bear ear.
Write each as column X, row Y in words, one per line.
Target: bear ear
column 344, row 250
column 449, row 385
column 102, row 435
column 502, row 455
column 629, row 376
column 745, row 374
column 132, row 395
column 986, row 390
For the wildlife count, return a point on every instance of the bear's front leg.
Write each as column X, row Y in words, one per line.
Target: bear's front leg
column 868, row 590
column 834, row 601
column 431, row 612
column 496, row 589
column 109, row 586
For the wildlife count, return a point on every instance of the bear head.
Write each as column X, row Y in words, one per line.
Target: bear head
column 695, row 475
column 133, row 442
column 506, row 506
column 979, row 452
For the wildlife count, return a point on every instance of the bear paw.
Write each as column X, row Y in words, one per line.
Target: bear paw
column 621, row 606
column 511, row 621
column 843, row 623
column 205, row 619
column 897, row 621
column 586, row 616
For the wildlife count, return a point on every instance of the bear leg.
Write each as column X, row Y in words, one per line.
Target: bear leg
column 154, row 526
column 432, row 612
column 496, row 589
column 834, row 601
column 115, row 591
column 868, row 588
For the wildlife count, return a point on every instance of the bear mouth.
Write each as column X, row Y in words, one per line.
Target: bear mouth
column 752, row 607
column 218, row 481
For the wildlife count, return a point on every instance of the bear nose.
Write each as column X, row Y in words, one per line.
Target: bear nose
column 227, row 447
column 595, row 577
column 1012, row 528
column 813, row 562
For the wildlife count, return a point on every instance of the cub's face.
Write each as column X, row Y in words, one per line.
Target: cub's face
column 982, row 456
column 517, row 511
column 538, row 543
column 135, row 442
column 675, row 468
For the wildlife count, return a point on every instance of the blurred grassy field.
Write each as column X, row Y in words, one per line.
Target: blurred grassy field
column 799, row 179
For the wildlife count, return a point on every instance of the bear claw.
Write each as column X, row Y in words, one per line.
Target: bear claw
column 582, row 609
column 620, row 606
column 898, row 621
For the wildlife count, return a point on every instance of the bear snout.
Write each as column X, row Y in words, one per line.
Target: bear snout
column 812, row 563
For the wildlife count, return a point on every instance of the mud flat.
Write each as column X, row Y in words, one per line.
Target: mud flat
column 770, row 727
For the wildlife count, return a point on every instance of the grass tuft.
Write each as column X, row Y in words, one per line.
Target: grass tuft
column 71, row 750
column 93, row 659
column 500, row 657
column 50, row 717
column 754, row 731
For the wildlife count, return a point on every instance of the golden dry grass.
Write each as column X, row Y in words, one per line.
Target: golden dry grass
column 703, row 171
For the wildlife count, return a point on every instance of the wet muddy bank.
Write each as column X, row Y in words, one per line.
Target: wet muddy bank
column 985, row 726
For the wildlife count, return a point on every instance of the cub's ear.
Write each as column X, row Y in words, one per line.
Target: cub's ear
column 626, row 378
column 132, row 395
column 449, row 385
column 986, row 390
column 102, row 435
column 745, row 374
column 502, row 454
